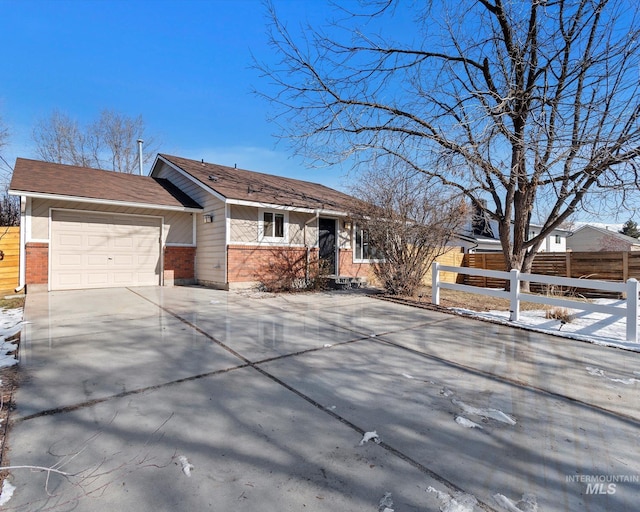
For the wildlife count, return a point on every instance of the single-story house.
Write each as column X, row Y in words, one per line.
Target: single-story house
column 589, row 238
column 187, row 222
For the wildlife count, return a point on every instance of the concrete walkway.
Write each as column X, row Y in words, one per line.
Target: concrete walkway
column 185, row 398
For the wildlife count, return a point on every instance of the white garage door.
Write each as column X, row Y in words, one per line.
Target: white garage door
column 95, row 250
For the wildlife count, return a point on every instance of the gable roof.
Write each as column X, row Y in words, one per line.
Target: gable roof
column 255, row 187
column 620, row 236
column 44, row 179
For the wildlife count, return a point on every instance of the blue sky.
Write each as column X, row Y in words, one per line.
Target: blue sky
column 185, row 66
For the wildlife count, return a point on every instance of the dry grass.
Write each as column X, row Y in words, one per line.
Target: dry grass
column 465, row 300
column 474, row 302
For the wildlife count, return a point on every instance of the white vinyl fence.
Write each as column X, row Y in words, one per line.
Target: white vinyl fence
column 515, row 296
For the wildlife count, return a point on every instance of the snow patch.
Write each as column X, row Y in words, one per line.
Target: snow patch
column 385, row 503
column 6, row 493
column 460, row 503
column 10, row 326
column 461, row 420
column 370, row 436
column 597, row 328
column 599, row 372
column 528, row 503
column 495, row 414
column 186, row 465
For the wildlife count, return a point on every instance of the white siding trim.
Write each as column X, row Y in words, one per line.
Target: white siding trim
column 227, row 217
column 194, row 233
column 28, row 219
column 268, row 244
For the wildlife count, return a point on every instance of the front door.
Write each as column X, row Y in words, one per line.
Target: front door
column 327, row 245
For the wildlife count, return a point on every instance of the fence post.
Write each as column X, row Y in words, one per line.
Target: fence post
column 514, row 289
column 632, row 310
column 435, row 284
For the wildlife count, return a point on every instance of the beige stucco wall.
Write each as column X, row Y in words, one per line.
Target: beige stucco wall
column 243, row 224
column 178, row 226
column 244, row 220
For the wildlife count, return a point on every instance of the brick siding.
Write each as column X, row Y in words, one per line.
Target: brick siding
column 37, row 263
column 247, row 263
column 350, row 269
column 179, row 262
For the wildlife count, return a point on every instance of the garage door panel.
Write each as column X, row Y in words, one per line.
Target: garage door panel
column 123, row 243
column 125, row 260
column 123, row 278
column 69, row 260
column 97, row 279
column 91, row 250
column 95, row 241
column 97, row 261
column 71, row 280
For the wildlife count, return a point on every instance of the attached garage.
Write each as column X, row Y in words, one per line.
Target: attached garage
column 95, row 250
column 90, row 228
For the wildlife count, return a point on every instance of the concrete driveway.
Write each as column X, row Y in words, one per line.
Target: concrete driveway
column 185, row 398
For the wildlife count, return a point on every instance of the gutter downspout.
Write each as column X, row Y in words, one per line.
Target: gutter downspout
column 23, row 226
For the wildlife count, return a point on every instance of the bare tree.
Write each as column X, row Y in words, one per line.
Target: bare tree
column 9, row 205
column 4, row 138
column 108, row 143
column 529, row 106
column 404, row 222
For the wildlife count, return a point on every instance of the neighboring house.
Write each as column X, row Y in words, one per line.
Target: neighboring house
column 592, row 238
column 188, row 222
column 481, row 236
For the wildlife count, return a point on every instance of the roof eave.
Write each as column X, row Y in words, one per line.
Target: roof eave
column 128, row 204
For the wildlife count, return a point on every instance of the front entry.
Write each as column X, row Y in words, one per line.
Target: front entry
column 327, row 245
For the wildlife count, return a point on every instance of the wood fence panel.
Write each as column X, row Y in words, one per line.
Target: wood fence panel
column 10, row 264
column 454, row 257
column 604, row 266
column 633, row 259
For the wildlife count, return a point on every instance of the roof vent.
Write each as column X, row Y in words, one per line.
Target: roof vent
column 212, row 177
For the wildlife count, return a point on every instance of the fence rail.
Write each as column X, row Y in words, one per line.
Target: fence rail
column 515, row 296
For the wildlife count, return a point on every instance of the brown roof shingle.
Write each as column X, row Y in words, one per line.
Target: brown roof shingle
column 72, row 181
column 240, row 184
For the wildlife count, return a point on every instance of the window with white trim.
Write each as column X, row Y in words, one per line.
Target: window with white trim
column 363, row 251
column 273, row 226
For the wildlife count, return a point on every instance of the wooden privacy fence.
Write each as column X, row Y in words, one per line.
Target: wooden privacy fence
column 10, row 258
column 605, row 266
column 515, row 296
